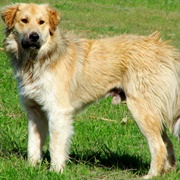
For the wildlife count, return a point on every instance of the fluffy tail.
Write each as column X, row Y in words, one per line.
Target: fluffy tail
column 177, row 129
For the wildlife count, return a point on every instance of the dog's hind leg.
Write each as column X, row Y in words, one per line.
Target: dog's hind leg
column 171, row 161
column 60, row 130
column 150, row 126
column 37, row 131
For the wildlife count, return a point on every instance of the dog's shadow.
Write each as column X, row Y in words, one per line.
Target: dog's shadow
column 114, row 161
column 105, row 158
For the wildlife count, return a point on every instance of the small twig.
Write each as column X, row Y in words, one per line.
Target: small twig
column 105, row 119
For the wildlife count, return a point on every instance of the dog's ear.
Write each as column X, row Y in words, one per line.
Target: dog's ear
column 54, row 18
column 8, row 14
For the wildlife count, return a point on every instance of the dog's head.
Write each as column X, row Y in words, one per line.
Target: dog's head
column 31, row 24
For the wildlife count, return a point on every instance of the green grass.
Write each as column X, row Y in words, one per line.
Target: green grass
column 102, row 147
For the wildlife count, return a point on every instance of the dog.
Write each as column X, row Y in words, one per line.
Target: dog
column 58, row 75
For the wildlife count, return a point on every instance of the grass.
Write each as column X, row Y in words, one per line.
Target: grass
column 102, row 147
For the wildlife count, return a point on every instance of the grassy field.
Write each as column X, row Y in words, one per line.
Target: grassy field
column 102, row 147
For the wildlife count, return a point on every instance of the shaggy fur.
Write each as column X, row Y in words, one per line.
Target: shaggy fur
column 58, row 75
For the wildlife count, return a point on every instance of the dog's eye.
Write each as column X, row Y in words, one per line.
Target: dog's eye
column 24, row 20
column 41, row 22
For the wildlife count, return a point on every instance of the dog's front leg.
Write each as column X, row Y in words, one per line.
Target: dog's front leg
column 60, row 130
column 37, row 131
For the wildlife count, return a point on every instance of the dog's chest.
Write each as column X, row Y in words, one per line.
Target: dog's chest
column 35, row 86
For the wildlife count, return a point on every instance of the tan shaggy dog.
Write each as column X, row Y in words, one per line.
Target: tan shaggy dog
column 58, row 75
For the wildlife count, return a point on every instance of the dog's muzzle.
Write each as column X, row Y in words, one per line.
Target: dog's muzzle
column 31, row 42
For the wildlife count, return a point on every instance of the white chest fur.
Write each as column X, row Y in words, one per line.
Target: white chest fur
column 36, row 85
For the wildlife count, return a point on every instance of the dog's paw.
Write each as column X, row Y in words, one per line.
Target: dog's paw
column 147, row 176
column 150, row 176
column 34, row 161
column 57, row 168
column 170, row 166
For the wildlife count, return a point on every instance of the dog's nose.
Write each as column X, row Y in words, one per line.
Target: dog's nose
column 34, row 37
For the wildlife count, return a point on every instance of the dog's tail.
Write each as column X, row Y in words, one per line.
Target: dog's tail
column 177, row 129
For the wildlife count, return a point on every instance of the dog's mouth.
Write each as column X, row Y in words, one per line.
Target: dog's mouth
column 30, row 45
